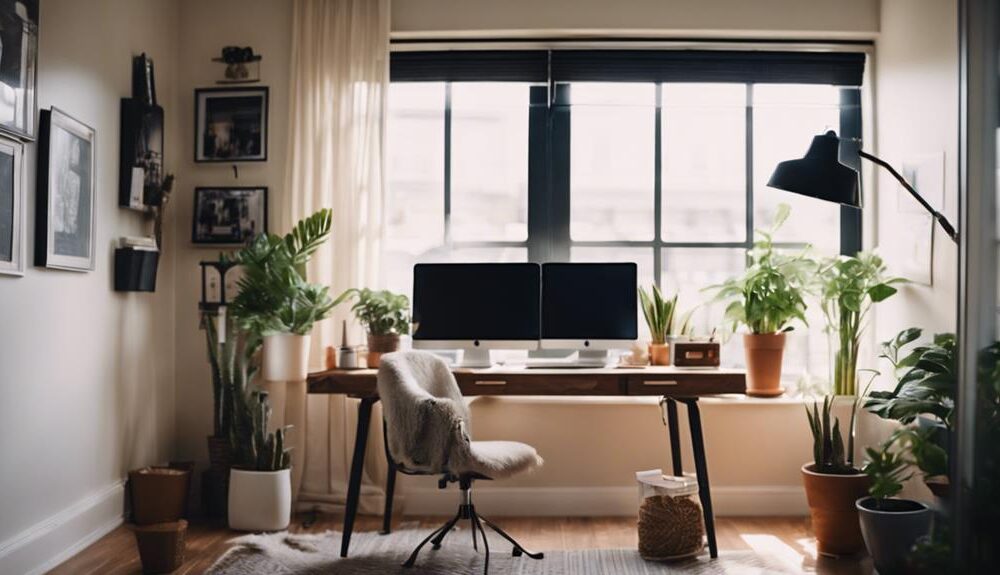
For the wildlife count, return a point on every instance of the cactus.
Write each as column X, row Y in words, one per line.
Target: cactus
column 255, row 447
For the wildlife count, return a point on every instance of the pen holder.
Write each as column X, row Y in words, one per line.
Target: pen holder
column 696, row 354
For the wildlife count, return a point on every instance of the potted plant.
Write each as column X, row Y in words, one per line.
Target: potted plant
column 260, row 484
column 659, row 314
column 233, row 366
column 849, row 286
column 890, row 525
column 385, row 315
column 833, row 484
column 276, row 302
column 766, row 299
column 924, row 399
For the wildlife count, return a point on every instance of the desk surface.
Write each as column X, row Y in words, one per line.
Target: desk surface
column 519, row 380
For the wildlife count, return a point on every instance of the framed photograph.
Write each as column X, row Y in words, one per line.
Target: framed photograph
column 12, row 208
column 228, row 215
column 230, row 125
column 18, row 66
column 141, row 160
column 64, row 214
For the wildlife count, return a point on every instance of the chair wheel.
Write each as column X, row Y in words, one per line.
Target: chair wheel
column 517, row 552
column 436, row 546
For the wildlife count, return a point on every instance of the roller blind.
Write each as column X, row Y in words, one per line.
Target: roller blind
column 837, row 68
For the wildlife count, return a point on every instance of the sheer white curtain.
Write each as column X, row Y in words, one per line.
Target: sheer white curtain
column 339, row 86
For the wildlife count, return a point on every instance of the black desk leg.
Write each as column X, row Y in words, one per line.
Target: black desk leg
column 357, row 467
column 390, row 484
column 675, row 436
column 701, row 468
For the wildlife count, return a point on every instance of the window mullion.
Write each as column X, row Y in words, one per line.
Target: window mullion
column 447, row 163
column 559, row 216
column 749, row 167
column 658, row 187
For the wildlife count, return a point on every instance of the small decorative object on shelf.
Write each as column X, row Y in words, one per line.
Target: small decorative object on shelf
column 242, row 65
column 695, row 353
column 347, row 356
column 214, row 284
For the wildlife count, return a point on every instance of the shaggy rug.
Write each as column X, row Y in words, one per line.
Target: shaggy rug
column 374, row 554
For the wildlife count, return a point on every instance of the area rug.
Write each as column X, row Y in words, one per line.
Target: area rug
column 374, row 554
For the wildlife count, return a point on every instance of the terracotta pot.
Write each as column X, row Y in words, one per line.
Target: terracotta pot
column 286, row 357
column 659, row 354
column 940, row 486
column 159, row 494
column 832, row 509
column 161, row 546
column 763, row 355
column 380, row 344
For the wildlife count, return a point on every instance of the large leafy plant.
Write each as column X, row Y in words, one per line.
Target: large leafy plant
column 768, row 296
column 829, row 453
column 381, row 311
column 849, row 286
column 274, row 295
column 927, row 380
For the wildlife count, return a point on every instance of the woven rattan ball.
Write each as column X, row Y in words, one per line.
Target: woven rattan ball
column 669, row 527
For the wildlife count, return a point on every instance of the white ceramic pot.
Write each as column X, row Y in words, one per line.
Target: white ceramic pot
column 260, row 500
column 286, row 357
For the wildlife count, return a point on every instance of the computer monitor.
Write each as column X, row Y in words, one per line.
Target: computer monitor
column 589, row 306
column 476, row 307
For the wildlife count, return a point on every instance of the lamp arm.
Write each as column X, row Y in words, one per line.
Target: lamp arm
column 945, row 224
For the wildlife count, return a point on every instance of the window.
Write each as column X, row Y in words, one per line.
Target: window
column 655, row 157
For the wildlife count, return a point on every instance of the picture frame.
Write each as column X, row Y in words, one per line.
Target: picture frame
column 228, row 215
column 18, row 67
column 231, row 124
column 141, row 153
column 12, row 207
column 65, row 214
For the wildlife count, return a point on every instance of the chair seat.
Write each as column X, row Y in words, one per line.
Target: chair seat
column 500, row 459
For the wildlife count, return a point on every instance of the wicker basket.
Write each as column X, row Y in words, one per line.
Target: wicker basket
column 161, row 546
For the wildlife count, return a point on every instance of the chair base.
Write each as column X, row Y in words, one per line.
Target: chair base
column 467, row 511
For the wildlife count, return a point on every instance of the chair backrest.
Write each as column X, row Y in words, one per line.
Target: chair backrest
column 423, row 408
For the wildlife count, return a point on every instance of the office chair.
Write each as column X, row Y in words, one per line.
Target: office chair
column 427, row 433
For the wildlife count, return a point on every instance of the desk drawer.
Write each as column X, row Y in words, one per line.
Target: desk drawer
column 686, row 384
column 537, row 384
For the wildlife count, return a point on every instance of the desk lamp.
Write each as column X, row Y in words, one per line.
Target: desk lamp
column 821, row 175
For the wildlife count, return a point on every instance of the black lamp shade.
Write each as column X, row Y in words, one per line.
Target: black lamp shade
column 819, row 174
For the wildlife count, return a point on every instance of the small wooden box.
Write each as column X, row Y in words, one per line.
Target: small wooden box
column 696, row 354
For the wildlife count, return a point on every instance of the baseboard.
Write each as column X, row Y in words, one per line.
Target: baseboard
column 749, row 501
column 51, row 541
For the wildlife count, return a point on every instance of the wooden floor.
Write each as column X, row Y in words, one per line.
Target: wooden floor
column 786, row 540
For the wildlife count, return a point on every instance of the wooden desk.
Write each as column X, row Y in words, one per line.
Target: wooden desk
column 671, row 383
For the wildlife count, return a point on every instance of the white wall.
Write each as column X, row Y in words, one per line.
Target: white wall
column 917, row 111
column 811, row 19
column 86, row 374
column 205, row 28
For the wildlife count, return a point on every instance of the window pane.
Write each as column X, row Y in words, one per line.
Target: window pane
column 612, row 149
column 489, row 161
column 786, row 117
column 704, row 162
column 643, row 258
column 398, row 267
column 687, row 271
column 415, row 168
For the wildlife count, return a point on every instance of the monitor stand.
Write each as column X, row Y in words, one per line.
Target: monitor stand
column 475, row 358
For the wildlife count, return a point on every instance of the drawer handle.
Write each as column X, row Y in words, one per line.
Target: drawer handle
column 659, row 383
column 490, row 382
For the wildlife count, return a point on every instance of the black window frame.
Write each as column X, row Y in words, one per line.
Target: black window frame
column 549, row 117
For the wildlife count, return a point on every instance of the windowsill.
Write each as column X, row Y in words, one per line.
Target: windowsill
column 726, row 400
